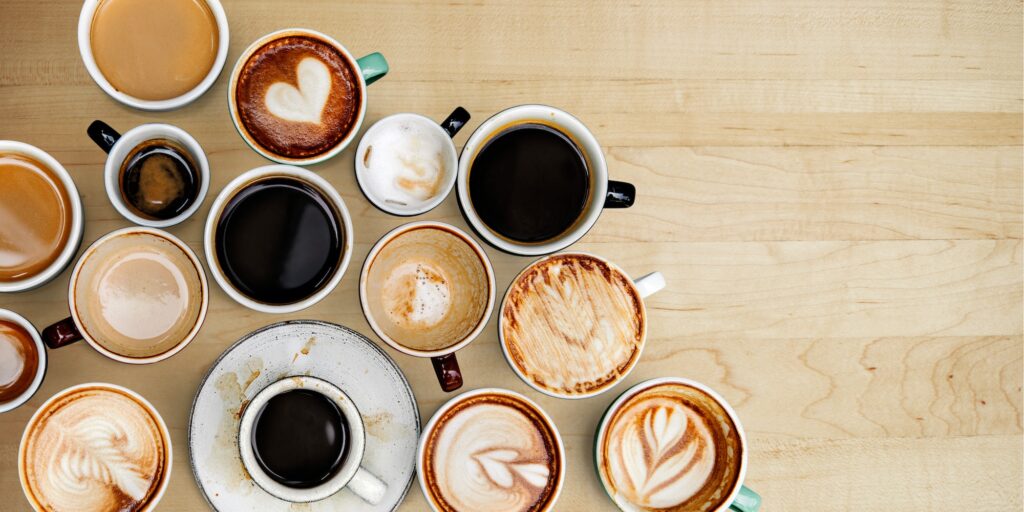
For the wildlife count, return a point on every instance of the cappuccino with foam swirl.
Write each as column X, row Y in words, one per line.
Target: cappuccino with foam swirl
column 491, row 450
column 95, row 447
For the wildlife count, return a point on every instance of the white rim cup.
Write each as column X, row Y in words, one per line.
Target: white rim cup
column 85, row 49
column 11, row 316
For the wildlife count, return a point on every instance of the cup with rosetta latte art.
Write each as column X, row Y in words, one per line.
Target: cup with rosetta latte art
column 95, row 447
column 673, row 445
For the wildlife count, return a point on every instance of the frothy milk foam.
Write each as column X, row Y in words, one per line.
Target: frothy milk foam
column 416, row 293
column 404, row 163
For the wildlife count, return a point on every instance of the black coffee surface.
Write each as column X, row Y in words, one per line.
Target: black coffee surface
column 529, row 183
column 159, row 180
column 279, row 241
column 300, row 438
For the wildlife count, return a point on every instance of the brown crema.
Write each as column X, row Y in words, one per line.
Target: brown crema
column 154, row 50
column 35, row 217
column 19, row 360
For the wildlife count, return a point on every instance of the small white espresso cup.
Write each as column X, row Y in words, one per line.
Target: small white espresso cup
column 119, row 147
column 360, row 481
column 11, row 316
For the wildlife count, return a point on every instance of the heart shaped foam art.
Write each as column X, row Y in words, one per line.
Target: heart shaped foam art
column 304, row 104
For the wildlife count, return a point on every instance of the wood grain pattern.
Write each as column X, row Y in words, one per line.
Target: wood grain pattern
column 833, row 191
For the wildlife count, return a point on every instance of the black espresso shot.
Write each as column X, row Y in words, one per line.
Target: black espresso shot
column 529, row 183
column 300, row 438
column 159, row 179
column 279, row 240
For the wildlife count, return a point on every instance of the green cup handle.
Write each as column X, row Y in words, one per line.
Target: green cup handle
column 746, row 500
column 373, row 66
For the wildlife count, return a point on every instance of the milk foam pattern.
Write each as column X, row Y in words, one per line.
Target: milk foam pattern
column 306, row 102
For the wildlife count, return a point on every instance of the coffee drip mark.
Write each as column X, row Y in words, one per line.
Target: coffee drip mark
column 305, row 101
column 94, row 452
column 502, row 466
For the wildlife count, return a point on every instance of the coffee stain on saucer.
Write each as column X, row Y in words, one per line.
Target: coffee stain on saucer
column 252, row 377
column 304, row 351
column 224, row 456
column 379, row 425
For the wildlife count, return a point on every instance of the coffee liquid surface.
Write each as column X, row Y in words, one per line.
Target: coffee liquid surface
column 154, row 50
column 300, row 438
column 529, row 183
column 35, row 217
column 19, row 360
column 159, row 179
column 279, row 241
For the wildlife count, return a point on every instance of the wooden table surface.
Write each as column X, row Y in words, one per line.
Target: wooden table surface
column 833, row 190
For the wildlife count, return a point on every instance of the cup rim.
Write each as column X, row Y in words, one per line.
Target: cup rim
column 85, row 50
column 426, row 206
column 530, row 382
column 657, row 381
column 146, row 132
column 37, row 380
column 395, row 233
column 597, row 165
column 233, row 107
column 355, row 449
column 149, row 407
column 246, row 179
column 451, row 402
column 74, row 241
column 203, row 287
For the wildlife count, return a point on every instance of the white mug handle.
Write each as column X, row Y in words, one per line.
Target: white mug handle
column 650, row 284
column 367, row 486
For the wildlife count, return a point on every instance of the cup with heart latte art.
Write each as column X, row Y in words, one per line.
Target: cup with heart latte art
column 297, row 96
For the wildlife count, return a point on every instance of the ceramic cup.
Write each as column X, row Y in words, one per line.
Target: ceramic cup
column 85, row 49
column 40, row 372
column 118, row 148
column 77, row 218
column 603, row 193
column 349, row 474
column 393, row 127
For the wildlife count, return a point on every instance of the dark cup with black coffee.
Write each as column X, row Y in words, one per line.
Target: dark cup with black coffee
column 302, row 438
column 533, row 180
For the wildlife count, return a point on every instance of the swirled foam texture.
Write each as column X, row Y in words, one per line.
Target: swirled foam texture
column 94, row 449
column 491, row 452
column 405, row 162
column 670, row 448
column 572, row 324
column 297, row 96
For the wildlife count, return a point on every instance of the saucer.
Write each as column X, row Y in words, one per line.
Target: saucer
column 330, row 352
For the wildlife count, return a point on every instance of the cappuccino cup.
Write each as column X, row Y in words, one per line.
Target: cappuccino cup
column 137, row 295
column 22, row 360
column 672, row 444
column 427, row 289
column 302, row 438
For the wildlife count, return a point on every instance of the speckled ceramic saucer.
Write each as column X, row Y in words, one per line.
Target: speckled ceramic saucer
column 331, row 352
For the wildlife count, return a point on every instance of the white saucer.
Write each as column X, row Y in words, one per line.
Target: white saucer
column 331, row 352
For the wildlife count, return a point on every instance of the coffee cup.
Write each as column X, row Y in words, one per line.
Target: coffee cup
column 427, row 289
column 156, row 175
column 672, row 444
column 302, row 438
column 95, row 447
column 158, row 56
column 41, row 217
column 533, row 180
column 297, row 96
column 573, row 324
column 137, row 295
column 490, row 449
column 22, row 360
column 278, row 239
column 406, row 163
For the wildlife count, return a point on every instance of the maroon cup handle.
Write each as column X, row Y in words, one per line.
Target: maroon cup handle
column 448, row 373
column 62, row 333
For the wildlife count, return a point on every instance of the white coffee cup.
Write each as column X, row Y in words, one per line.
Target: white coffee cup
column 119, row 147
column 77, row 218
column 13, row 317
column 85, row 49
column 360, row 481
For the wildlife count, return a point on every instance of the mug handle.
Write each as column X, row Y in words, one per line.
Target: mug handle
column 373, row 67
column 649, row 284
column 620, row 195
column 103, row 135
column 449, row 375
column 746, row 500
column 455, row 121
column 61, row 334
column 367, row 486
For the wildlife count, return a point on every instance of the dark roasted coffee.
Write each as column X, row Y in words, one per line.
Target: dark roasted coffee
column 529, row 183
column 279, row 241
column 159, row 179
column 300, row 438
